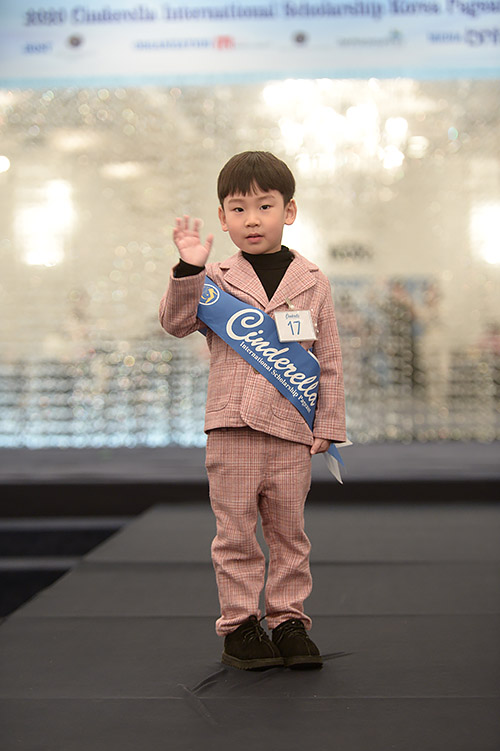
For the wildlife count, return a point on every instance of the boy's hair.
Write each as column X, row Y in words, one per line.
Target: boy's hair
column 250, row 169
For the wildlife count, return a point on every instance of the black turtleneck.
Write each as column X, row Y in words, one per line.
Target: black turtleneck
column 269, row 267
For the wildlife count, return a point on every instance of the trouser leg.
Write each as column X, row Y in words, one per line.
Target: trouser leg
column 234, row 478
column 282, row 502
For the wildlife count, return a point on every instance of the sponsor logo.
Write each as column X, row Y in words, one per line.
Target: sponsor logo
column 394, row 37
column 472, row 37
column 478, row 37
column 351, row 252
column 172, row 44
column 300, row 37
column 224, row 43
column 40, row 48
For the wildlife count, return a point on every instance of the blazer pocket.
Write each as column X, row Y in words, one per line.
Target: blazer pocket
column 219, row 385
column 284, row 410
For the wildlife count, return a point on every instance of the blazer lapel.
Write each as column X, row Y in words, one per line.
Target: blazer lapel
column 297, row 279
column 239, row 274
column 243, row 278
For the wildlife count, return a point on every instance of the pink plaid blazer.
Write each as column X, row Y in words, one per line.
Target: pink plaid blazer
column 239, row 396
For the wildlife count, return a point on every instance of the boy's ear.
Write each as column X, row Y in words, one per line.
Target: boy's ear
column 290, row 212
column 222, row 219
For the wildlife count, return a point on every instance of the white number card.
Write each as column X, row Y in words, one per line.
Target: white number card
column 295, row 325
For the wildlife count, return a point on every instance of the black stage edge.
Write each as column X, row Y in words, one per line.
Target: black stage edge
column 120, row 654
column 108, row 482
column 107, row 499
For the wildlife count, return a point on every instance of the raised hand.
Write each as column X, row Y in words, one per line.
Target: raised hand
column 188, row 241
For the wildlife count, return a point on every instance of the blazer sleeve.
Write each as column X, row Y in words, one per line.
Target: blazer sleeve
column 179, row 304
column 329, row 422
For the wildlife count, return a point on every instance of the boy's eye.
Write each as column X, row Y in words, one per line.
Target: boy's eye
column 237, row 208
column 265, row 206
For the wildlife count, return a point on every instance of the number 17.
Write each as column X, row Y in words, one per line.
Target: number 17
column 294, row 327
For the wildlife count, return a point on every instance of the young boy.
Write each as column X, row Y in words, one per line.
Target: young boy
column 259, row 445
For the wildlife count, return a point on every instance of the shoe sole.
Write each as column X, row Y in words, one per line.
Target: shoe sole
column 304, row 662
column 262, row 663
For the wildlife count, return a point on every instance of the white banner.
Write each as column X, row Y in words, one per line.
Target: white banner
column 196, row 42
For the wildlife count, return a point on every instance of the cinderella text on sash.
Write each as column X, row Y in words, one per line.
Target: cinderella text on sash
column 243, row 326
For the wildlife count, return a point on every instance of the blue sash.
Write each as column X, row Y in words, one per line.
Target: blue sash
column 252, row 334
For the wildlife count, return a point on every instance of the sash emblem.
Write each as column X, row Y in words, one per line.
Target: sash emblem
column 210, row 294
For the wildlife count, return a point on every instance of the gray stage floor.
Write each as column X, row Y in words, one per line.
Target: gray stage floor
column 121, row 652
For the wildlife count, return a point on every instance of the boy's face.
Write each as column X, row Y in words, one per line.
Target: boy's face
column 255, row 221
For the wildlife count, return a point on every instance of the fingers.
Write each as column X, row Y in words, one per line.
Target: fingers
column 182, row 222
column 320, row 445
column 182, row 225
column 188, row 240
column 179, row 227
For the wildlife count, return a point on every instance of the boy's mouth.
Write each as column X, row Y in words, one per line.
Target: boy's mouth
column 254, row 236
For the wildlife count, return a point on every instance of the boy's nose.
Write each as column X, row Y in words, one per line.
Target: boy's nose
column 252, row 220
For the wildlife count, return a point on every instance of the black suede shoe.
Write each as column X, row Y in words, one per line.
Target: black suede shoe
column 250, row 648
column 299, row 652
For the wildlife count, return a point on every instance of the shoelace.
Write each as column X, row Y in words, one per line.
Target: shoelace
column 254, row 631
column 290, row 628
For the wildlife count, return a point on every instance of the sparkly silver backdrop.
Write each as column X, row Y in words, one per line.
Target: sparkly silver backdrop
column 399, row 203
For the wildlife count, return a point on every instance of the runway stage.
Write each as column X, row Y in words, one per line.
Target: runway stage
column 123, row 481
column 120, row 654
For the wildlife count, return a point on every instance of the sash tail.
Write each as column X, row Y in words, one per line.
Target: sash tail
column 334, row 460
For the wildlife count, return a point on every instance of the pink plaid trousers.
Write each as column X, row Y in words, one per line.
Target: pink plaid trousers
column 251, row 472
